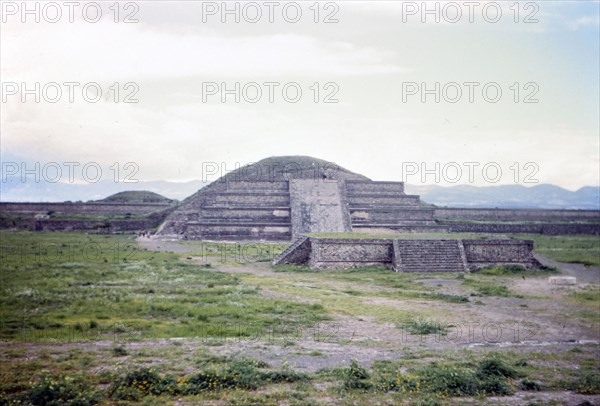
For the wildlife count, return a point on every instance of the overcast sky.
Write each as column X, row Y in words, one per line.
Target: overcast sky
column 371, row 58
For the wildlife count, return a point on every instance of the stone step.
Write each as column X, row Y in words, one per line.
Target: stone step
column 233, row 185
column 353, row 186
column 428, row 256
column 247, row 207
column 243, row 220
column 240, row 224
column 383, row 201
column 244, row 237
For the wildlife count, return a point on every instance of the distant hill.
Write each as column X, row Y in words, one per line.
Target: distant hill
column 509, row 196
column 136, row 196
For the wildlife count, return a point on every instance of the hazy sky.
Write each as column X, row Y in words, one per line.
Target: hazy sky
column 372, row 58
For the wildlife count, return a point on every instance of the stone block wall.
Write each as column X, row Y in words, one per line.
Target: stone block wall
column 414, row 255
column 88, row 208
column 487, row 252
column 236, row 231
column 524, row 228
column 336, row 253
column 102, row 217
column 516, row 214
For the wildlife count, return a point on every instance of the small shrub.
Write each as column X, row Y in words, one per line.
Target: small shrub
column 285, row 375
column 521, row 362
column 452, row 381
column 62, row 390
column 493, row 290
column 515, row 270
column 587, row 383
column 356, row 377
column 240, row 374
column 495, row 367
column 495, row 385
column 529, row 385
column 422, row 326
column 119, row 351
column 449, row 298
column 141, row 382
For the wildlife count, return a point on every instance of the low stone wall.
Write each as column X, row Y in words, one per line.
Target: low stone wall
column 95, row 208
column 532, row 228
column 89, row 225
column 334, row 253
column 487, row 252
column 516, row 214
column 391, row 215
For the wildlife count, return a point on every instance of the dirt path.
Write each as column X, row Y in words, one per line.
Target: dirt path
column 583, row 273
column 157, row 244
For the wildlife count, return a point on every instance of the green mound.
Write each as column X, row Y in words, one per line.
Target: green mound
column 136, row 196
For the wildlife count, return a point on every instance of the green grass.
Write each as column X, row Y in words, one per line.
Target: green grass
column 582, row 249
column 76, row 378
column 421, row 326
column 233, row 253
column 588, row 295
column 393, row 284
column 73, row 284
column 515, row 270
column 484, row 285
column 150, row 295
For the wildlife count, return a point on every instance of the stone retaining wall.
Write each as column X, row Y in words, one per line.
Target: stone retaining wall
column 516, row 214
column 486, row 252
column 533, row 228
column 95, row 208
column 412, row 255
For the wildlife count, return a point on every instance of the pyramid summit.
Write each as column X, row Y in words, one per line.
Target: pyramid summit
column 284, row 168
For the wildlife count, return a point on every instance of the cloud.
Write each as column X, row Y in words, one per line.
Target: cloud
column 585, row 21
column 129, row 52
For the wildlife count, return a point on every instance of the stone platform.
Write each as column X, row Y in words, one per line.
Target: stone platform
column 408, row 255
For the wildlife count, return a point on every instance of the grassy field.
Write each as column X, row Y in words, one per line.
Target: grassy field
column 96, row 319
column 580, row 249
column 58, row 281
